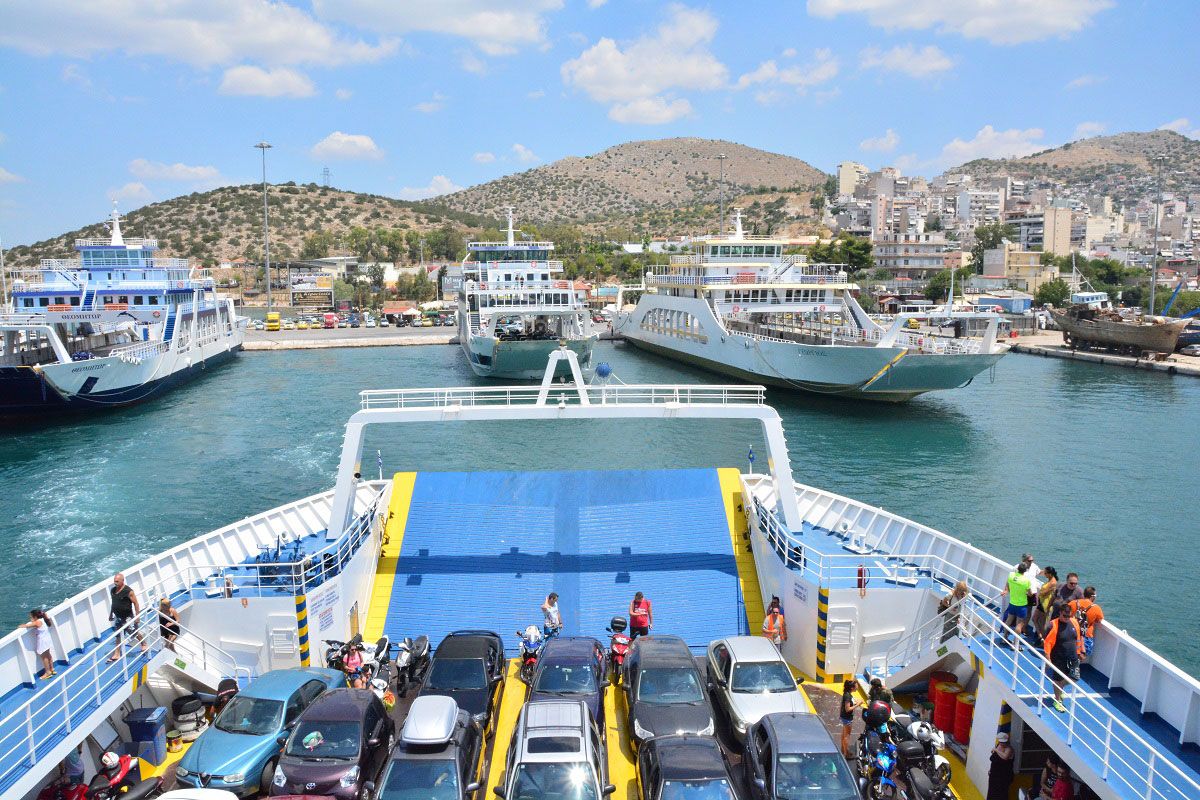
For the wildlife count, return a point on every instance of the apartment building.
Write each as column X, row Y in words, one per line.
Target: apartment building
column 911, row 256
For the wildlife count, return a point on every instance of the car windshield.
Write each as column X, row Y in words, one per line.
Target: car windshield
column 697, row 790
column 250, row 715
column 671, row 685
column 566, row 679
column 813, row 776
column 317, row 739
column 448, row 674
column 559, row 781
column 420, row 779
column 763, row 676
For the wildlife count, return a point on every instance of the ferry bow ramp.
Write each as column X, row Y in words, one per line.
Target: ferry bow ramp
column 482, row 550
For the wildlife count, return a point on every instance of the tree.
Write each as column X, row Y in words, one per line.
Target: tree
column 939, row 285
column 989, row 237
column 934, row 223
column 1055, row 293
column 317, row 245
column 817, row 201
column 359, row 241
column 850, row 250
column 375, row 273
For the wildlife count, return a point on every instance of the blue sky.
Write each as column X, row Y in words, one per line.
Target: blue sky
column 143, row 100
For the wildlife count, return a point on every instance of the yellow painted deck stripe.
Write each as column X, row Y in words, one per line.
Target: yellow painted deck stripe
column 960, row 783
column 513, row 697
column 385, row 571
column 622, row 760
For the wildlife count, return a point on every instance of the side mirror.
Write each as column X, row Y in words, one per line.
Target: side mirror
column 498, row 791
column 373, row 741
column 760, row 783
column 369, row 787
column 282, row 740
column 472, row 787
column 604, row 684
column 608, row 789
column 722, row 683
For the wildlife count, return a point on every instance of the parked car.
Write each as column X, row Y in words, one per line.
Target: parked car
column 468, row 666
column 747, row 677
column 371, row 323
column 239, row 750
column 383, row 322
column 259, row 325
column 791, row 756
column 340, row 743
column 664, row 690
column 1190, row 350
column 197, row 794
column 437, row 756
column 684, row 768
column 572, row 668
column 556, row 751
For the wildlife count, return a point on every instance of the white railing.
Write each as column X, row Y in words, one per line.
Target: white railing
column 528, row 395
column 725, row 261
column 135, row 353
column 509, row 286
column 550, row 264
column 209, row 656
column 126, row 241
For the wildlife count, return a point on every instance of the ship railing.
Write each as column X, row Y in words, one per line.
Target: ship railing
column 1127, row 761
column 553, row 265
column 209, row 656
column 508, row 286
column 136, row 353
column 726, row 261
column 628, row 394
column 127, row 242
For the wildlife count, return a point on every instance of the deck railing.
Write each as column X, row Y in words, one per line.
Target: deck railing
column 528, row 395
column 136, row 353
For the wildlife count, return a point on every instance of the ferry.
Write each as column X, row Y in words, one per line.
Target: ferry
column 431, row 554
column 113, row 327
column 515, row 306
column 742, row 307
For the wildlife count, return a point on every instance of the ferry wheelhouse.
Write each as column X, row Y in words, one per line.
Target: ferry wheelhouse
column 515, row 306
column 115, row 326
column 741, row 306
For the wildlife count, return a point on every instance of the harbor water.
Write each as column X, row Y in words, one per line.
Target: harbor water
column 1092, row 469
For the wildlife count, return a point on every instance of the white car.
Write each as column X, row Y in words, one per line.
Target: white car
column 198, row 794
column 370, row 323
column 1190, row 350
column 747, row 678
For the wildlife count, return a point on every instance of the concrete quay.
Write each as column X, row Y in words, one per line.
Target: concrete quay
column 1049, row 343
column 347, row 337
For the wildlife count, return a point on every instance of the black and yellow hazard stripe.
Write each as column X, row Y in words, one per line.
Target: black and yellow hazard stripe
column 822, row 630
column 302, row 627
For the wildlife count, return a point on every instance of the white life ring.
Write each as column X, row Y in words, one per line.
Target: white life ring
column 822, row 308
column 736, row 309
column 157, row 314
column 820, row 280
column 178, row 284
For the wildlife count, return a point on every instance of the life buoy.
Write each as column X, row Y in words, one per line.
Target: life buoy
column 820, row 280
column 483, row 286
column 178, row 284
column 822, row 308
column 921, row 342
column 157, row 314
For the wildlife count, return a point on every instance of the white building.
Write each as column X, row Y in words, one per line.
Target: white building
column 849, row 174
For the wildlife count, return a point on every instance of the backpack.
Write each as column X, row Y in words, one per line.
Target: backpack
column 1081, row 615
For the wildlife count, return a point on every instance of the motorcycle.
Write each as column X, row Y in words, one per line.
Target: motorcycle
column 375, row 659
column 335, row 654
column 531, row 646
column 101, row 790
column 928, row 759
column 412, row 660
column 618, row 647
column 877, row 763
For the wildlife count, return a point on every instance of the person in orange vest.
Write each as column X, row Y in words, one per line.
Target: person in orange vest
column 774, row 627
column 1088, row 614
column 1064, row 646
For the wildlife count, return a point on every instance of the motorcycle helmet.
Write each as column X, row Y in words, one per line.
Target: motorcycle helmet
column 533, row 634
column 379, row 686
column 110, row 760
column 923, row 733
column 617, row 625
column 877, row 714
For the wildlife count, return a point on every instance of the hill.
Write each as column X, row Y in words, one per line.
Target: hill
column 1118, row 165
column 630, row 179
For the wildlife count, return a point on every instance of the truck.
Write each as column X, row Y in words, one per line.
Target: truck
column 329, row 319
column 273, row 321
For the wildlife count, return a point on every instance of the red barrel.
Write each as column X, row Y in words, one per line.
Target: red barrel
column 964, row 712
column 939, row 677
column 944, row 703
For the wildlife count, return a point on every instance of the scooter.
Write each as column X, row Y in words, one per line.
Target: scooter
column 929, row 759
column 875, row 775
column 412, row 660
column 374, row 659
column 531, row 647
column 335, row 654
column 100, row 790
column 618, row 647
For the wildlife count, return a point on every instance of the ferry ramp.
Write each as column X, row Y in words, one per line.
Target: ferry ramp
column 482, row 550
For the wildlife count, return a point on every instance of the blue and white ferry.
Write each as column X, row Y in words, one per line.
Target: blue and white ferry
column 428, row 553
column 115, row 326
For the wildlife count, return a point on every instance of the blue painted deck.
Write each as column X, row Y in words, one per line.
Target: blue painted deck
column 482, row 550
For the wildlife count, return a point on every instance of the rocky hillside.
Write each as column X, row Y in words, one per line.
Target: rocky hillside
column 225, row 223
column 1118, row 165
column 633, row 178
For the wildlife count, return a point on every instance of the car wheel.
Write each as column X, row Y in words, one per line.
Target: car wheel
column 264, row 780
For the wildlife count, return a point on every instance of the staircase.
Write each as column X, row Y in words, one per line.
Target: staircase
column 474, row 321
column 169, row 330
column 89, row 296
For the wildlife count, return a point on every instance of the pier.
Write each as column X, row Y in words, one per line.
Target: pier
column 1049, row 343
column 347, row 337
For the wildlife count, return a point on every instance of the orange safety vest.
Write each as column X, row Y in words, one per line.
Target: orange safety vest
column 769, row 624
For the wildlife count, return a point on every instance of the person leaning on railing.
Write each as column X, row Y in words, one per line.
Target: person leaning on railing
column 948, row 609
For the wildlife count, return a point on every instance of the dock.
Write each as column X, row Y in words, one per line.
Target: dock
column 320, row 340
column 1049, row 343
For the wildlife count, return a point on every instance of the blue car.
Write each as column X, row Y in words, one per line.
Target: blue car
column 239, row 750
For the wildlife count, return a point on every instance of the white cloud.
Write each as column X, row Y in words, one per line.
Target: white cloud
column 789, row 53
column 650, row 111
column 497, row 27
column 822, row 69
column 882, row 144
column 1086, row 130
column 524, row 154
column 74, row 74
column 536, row 94
column 203, row 33
column 473, row 64
column 436, row 103
column 344, row 94
column 9, row 177
column 252, row 81
column 483, row 158
column 347, row 146
column 1007, row 22
column 1183, row 126
column 991, row 143
column 905, row 162
column 438, row 185
column 907, row 59
column 158, row 171
column 596, row 3
column 3, row 138
column 131, row 192
column 1084, row 80
column 637, row 80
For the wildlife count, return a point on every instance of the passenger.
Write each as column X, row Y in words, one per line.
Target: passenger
column 353, row 665
column 40, row 624
column 848, row 707
column 775, row 604
column 1066, row 593
column 124, row 609
column 1049, row 776
column 71, row 769
column 774, row 627
column 879, row 691
column 1064, row 646
column 1088, row 614
column 1000, row 774
column 641, row 616
column 1064, row 789
column 553, row 618
column 1041, row 610
column 168, row 623
column 1017, row 590
column 950, row 606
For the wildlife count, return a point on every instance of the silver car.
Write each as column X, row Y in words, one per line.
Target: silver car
column 556, row 751
column 747, row 677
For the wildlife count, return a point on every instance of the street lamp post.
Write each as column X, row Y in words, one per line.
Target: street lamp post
column 721, row 158
column 1158, row 160
column 264, row 147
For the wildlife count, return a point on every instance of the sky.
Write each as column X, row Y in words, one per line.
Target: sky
column 143, row 100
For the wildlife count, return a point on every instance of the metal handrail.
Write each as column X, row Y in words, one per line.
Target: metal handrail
column 528, row 395
column 205, row 646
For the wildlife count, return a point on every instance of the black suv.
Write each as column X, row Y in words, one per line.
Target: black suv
column 664, row 690
column 683, row 767
column 467, row 666
column 438, row 754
